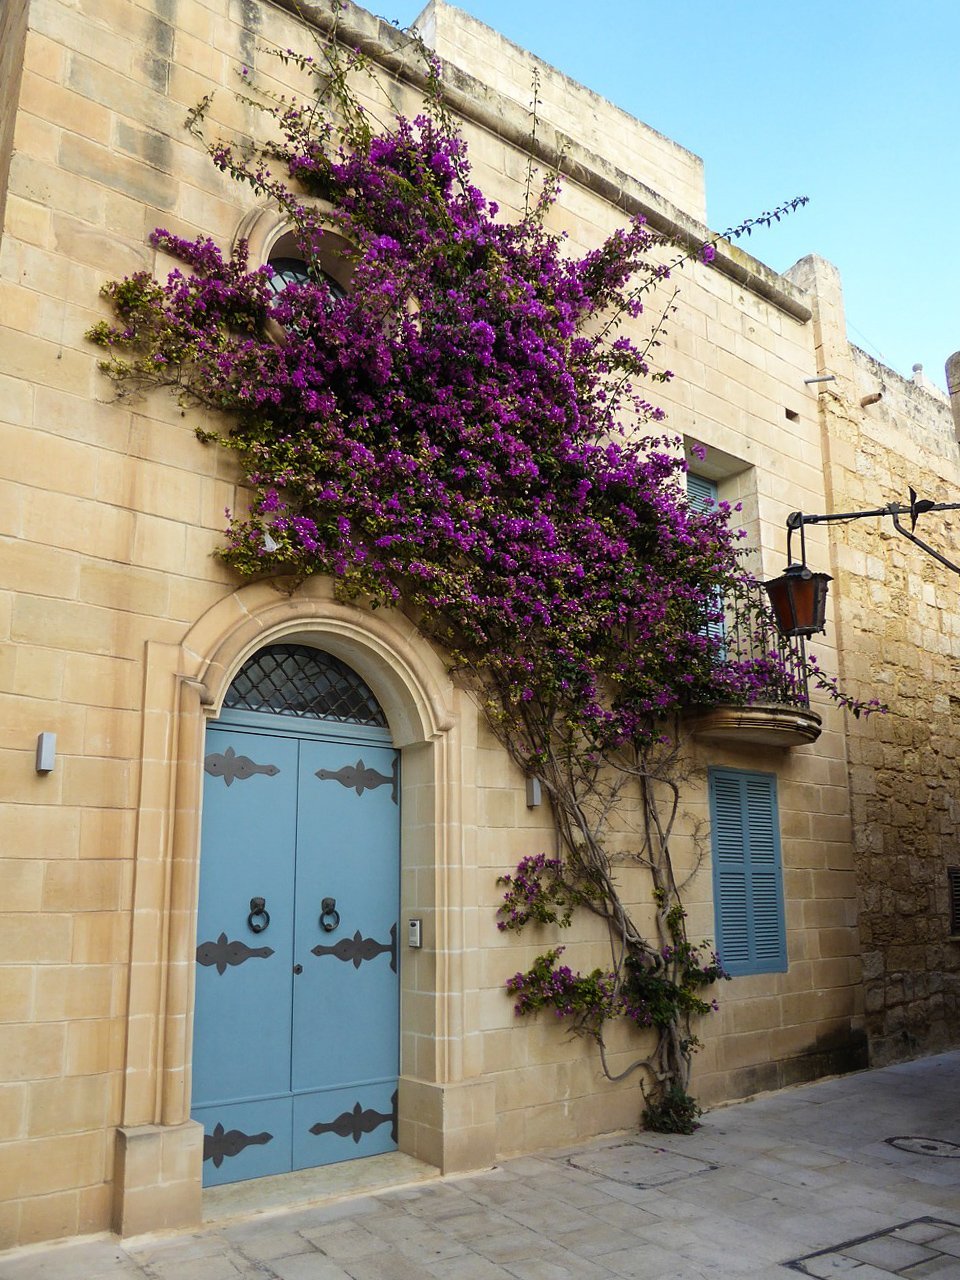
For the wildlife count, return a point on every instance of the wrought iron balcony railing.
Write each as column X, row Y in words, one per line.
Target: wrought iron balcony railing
column 750, row 634
column 777, row 712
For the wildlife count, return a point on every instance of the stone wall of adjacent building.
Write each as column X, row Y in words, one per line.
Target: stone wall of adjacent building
column 900, row 642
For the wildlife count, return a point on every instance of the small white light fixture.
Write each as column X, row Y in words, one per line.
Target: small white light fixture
column 46, row 752
column 534, row 793
column 415, row 934
column 270, row 543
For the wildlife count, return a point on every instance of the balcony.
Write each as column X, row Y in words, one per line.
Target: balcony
column 780, row 715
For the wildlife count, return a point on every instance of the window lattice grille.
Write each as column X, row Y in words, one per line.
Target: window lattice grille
column 287, row 271
column 294, row 680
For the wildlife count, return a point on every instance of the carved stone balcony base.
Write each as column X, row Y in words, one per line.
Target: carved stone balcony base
column 767, row 725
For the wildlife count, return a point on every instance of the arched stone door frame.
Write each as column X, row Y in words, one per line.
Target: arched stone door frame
column 445, row 1117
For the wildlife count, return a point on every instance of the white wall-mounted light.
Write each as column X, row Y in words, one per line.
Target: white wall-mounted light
column 46, row 752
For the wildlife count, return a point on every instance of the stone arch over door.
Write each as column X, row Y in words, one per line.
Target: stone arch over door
column 444, row 1117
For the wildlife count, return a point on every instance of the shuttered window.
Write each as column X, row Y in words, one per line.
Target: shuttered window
column 702, row 495
column 747, row 874
column 953, row 885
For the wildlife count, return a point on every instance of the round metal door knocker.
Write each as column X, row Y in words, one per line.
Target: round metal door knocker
column 329, row 915
column 259, row 916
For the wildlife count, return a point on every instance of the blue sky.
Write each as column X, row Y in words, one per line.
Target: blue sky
column 854, row 103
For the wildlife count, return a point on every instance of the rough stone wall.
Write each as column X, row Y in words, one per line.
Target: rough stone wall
column 900, row 642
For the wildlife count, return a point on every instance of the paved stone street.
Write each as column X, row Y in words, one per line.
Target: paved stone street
column 857, row 1177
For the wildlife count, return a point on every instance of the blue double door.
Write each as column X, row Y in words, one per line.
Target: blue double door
column 296, row 1030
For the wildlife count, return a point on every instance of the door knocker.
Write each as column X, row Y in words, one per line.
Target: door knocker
column 329, row 915
column 259, row 916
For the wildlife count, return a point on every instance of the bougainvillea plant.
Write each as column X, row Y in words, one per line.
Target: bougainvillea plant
column 466, row 435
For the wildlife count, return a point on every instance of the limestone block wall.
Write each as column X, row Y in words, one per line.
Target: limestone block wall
column 900, row 642
column 13, row 32
column 109, row 515
column 120, row 631
column 573, row 110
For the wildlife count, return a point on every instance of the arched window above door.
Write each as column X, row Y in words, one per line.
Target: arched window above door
column 267, row 236
column 295, row 680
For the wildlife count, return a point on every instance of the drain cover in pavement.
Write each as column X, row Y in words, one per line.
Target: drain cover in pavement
column 638, row 1165
column 923, row 1247
column 926, row 1146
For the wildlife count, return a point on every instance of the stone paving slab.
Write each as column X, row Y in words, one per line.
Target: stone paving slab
column 802, row 1183
column 927, row 1247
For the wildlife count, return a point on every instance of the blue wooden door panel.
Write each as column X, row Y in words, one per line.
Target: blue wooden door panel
column 294, row 1069
column 344, row 1124
column 346, row 1002
column 246, row 1140
column 243, row 1015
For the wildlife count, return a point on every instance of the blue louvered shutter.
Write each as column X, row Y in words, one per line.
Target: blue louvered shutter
column 701, row 492
column 747, row 873
column 703, row 497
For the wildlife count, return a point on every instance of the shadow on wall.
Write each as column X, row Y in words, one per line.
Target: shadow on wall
column 832, row 1054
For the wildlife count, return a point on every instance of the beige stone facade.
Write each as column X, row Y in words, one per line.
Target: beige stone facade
column 121, row 633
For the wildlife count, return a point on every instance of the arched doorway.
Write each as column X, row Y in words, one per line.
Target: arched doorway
column 296, row 1025
column 447, row 1114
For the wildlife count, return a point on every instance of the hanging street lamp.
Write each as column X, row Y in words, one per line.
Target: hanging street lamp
column 799, row 596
